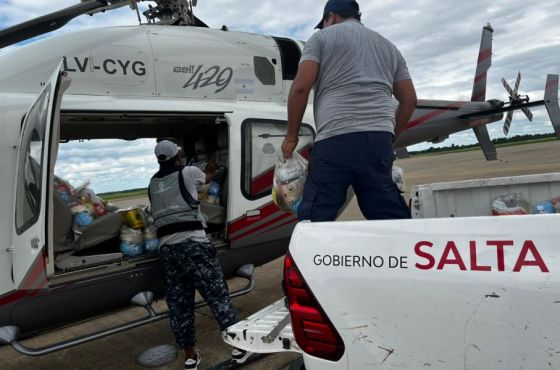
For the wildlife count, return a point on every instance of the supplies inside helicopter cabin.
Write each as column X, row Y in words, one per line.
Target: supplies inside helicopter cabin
column 79, row 198
column 210, row 193
column 139, row 234
column 214, row 192
column 64, row 190
column 510, row 204
column 289, row 179
column 134, row 217
column 151, row 241
column 203, row 193
column 81, row 216
column 131, row 241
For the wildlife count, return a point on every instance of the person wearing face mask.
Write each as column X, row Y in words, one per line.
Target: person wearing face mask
column 355, row 72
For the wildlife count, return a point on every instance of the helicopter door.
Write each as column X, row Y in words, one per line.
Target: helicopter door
column 35, row 163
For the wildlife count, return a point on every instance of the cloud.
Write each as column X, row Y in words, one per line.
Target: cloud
column 439, row 39
column 109, row 165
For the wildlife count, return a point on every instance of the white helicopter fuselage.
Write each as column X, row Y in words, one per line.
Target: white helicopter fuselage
column 149, row 72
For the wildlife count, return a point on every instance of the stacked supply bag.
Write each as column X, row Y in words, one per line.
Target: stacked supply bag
column 138, row 235
column 82, row 201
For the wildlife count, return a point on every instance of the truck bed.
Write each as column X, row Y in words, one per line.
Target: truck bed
column 472, row 198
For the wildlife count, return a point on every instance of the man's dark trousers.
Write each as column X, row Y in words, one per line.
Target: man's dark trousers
column 188, row 266
column 363, row 160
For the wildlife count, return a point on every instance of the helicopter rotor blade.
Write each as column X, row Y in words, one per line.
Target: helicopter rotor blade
column 528, row 113
column 507, row 123
column 507, row 87
column 48, row 22
column 517, row 82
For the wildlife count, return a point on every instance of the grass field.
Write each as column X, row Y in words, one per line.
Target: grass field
column 502, row 145
column 125, row 194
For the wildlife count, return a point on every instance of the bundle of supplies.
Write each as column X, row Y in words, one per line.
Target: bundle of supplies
column 139, row 235
column 547, row 207
column 211, row 193
column 131, row 241
column 82, row 201
column 151, row 241
column 510, row 204
column 515, row 204
column 289, row 179
column 134, row 217
column 214, row 193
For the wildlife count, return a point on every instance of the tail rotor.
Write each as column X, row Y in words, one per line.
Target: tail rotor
column 515, row 99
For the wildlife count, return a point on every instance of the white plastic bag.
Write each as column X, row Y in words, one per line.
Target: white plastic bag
column 131, row 241
column 398, row 178
column 289, row 179
column 510, row 204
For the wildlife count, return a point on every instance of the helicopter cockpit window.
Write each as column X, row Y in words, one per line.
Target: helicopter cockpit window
column 264, row 70
column 261, row 144
column 30, row 166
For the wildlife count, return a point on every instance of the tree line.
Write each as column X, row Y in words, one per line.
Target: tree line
column 502, row 140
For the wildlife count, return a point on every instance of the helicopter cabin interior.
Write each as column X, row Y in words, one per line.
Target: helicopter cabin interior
column 203, row 138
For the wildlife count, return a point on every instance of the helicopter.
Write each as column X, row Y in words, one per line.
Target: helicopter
column 216, row 93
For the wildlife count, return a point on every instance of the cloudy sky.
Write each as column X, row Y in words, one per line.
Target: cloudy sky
column 439, row 39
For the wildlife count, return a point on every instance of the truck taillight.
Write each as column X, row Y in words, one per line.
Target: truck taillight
column 314, row 332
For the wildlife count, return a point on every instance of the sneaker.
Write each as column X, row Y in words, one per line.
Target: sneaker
column 239, row 355
column 193, row 362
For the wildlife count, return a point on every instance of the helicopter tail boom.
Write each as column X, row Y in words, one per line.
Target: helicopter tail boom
column 551, row 102
column 483, row 64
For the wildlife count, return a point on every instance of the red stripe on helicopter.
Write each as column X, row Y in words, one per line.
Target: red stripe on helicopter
column 480, row 77
column 295, row 219
column 426, row 117
column 479, row 95
column 11, row 297
column 260, row 227
column 552, row 83
column 485, row 54
column 35, row 273
column 262, row 182
column 432, row 114
column 244, row 222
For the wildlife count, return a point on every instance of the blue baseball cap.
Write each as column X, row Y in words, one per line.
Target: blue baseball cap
column 349, row 7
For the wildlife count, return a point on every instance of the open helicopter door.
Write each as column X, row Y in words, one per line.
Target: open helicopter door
column 33, row 183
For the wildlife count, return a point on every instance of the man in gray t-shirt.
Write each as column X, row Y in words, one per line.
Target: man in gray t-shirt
column 355, row 72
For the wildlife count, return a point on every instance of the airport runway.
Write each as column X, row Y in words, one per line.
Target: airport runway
column 120, row 351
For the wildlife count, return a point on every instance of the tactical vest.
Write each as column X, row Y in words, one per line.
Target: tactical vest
column 174, row 210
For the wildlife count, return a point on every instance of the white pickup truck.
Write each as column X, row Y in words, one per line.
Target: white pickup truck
column 454, row 288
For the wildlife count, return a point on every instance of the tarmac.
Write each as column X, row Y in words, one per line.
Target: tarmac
column 120, row 351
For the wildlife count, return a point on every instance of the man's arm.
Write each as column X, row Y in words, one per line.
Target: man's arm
column 297, row 103
column 406, row 95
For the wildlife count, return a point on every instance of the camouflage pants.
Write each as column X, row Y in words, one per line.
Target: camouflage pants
column 188, row 266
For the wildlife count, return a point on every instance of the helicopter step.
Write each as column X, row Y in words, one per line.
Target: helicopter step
column 10, row 334
column 231, row 365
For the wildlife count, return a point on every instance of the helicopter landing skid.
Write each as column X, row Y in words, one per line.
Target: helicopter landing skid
column 10, row 334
